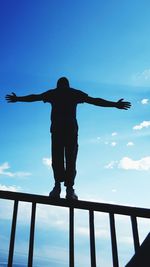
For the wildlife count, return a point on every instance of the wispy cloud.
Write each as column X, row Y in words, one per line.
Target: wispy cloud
column 13, row 188
column 106, row 142
column 111, row 164
column 4, row 170
column 144, row 124
column 145, row 101
column 95, row 140
column 47, row 162
column 56, row 255
column 141, row 78
column 113, row 143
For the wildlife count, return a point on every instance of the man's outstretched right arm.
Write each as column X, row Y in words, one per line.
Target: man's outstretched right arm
column 12, row 98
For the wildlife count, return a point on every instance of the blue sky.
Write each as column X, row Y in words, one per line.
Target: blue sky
column 103, row 48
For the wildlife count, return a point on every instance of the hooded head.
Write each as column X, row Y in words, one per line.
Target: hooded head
column 63, row 82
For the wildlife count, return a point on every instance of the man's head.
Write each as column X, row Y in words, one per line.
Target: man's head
column 63, row 83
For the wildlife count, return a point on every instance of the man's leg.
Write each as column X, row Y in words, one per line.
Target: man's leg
column 71, row 150
column 58, row 157
column 57, row 144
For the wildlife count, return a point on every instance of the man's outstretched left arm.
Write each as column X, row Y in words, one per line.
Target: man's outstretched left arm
column 105, row 103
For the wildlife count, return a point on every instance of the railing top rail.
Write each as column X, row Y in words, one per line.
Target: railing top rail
column 78, row 204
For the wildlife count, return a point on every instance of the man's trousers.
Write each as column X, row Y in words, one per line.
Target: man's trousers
column 64, row 155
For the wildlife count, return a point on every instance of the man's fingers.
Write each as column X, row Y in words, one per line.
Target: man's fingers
column 8, row 97
column 126, row 107
column 127, row 104
column 120, row 100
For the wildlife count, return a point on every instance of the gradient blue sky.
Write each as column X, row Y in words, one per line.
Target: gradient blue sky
column 103, row 48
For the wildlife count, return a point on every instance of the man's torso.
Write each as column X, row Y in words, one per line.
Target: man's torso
column 64, row 104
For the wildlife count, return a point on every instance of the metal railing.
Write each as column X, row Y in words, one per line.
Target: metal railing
column 110, row 209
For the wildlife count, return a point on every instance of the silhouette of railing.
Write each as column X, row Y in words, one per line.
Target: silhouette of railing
column 110, row 209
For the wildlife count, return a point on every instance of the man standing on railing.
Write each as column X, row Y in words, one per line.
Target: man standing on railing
column 64, row 129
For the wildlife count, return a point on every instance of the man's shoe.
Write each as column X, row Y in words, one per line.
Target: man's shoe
column 55, row 193
column 70, row 194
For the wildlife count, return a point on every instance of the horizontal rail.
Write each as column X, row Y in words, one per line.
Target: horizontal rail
column 78, row 204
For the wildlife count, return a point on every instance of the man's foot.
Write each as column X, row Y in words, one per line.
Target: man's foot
column 55, row 193
column 70, row 194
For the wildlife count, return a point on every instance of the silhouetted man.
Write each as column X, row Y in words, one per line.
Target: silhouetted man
column 64, row 129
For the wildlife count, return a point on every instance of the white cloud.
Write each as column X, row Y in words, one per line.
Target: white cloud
column 127, row 163
column 13, row 188
column 145, row 101
column 84, row 231
column 46, row 216
column 142, row 78
column 145, row 74
column 6, row 207
column 125, row 240
column 142, row 164
column 81, row 230
column 47, row 162
column 114, row 134
column 20, row 174
column 130, row 144
column 57, row 255
column 114, row 190
column 144, row 124
column 5, row 166
column 113, row 144
column 50, row 216
column 96, row 199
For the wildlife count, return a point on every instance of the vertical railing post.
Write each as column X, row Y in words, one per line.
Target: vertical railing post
column 31, row 241
column 71, row 237
column 135, row 232
column 13, row 231
column 113, row 240
column 92, row 238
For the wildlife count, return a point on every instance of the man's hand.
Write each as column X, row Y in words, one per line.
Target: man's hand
column 122, row 104
column 11, row 98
